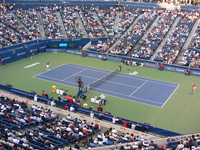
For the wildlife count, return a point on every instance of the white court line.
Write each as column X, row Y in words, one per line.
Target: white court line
column 138, row 88
column 132, row 96
column 111, row 82
column 119, row 74
column 170, row 96
column 50, row 69
column 149, row 80
column 54, row 79
column 129, row 76
column 73, row 74
column 51, row 81
column 75, row 65
column 120, row 84
column 123, row 75
column 90, row 68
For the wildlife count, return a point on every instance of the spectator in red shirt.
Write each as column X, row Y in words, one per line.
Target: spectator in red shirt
column 187, row 72
column 43, row 93
column 66, row 107
column 161, row 66
column 100, row 108
column 83, row 54
column 11, row 119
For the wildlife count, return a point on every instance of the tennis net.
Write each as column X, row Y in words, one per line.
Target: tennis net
column 102, row 79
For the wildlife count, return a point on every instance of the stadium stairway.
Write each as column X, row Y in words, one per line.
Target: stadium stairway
column 185, row 46
column 99, row 22
column 144, row 36
column 61, row 25
column 42, row 33
column 165, row 39
column 81, row 25
column 116, row 42
column 116, row 21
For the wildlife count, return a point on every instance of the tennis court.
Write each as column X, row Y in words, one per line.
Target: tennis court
column 134, row 88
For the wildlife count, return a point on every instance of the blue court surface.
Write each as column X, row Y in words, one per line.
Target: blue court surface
column 134, row 88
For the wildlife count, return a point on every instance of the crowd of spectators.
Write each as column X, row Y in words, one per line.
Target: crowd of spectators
column 107, row 17
column 52, row 132
column 90, row 21
column 111, row 136
column 195, row 43
column 157, row 34
column 102, row 45
column 191, row 55
column 70, row 22
column 11, row 22
column 11, row 30
column 5, row 37
column 135, row 33
column 71, row 129
column 52, row 27
column 30, row 20
column 126, row 18
column 19, row 25
column 180, row 2
column 49, row 130
column 184, row 143
column 175, row 2
column 15, row 117
column 178, row 37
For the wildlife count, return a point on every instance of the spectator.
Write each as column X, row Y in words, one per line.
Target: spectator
column 43, row 93
column 53, row 103
column 66, row 107
column 36, row 98
column 83, row 53
column 103, row 101
column 72, row 109
column 180, row 146
column 114, row 119
column 187, row 72
column 100, row 108
column 84, row 97
column 101, row 116
column 59, row 97
column 160, row 67
column 2, row 64
column 92, row 114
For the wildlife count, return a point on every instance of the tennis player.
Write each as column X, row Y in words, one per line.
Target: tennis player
column 48, row 66
column 194, row 86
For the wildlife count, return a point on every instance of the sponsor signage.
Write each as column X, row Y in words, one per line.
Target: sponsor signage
column 19, row 54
